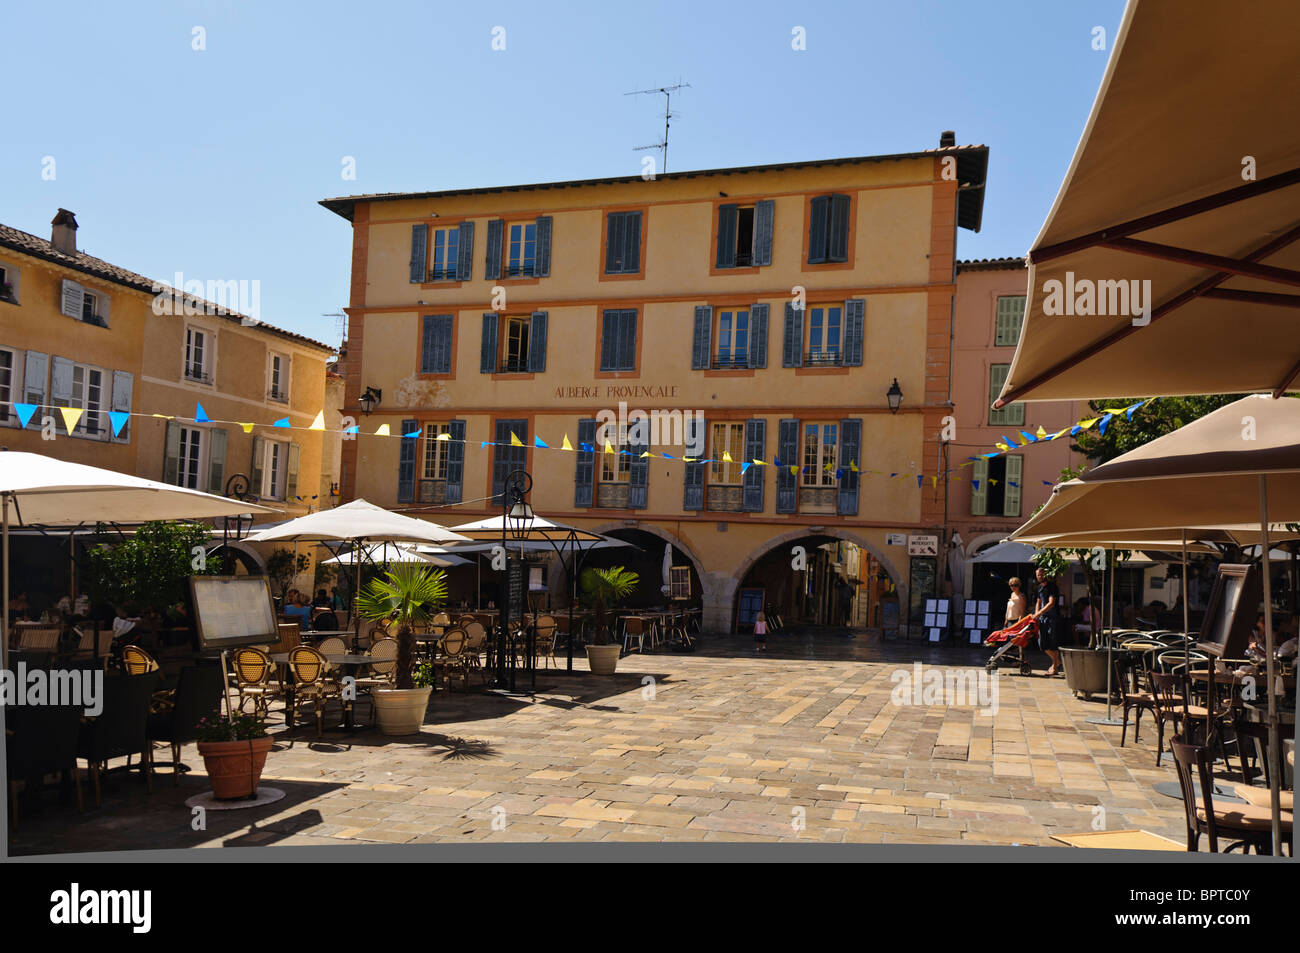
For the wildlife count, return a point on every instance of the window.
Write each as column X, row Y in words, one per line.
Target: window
column 190, row 468
column 820, row 443
column 435, row 450
column 618, row 340
column 1013, row 415
column 279, row 373
column 77, row 302
column 522, row 252
column 197, row 356
column 824, row 335
column 728, row 439
column 81, row 386
column 7, row 364
column 514, row 351
column 1010, row 314
column 436, row 344
column 274, row 469
column 733, row 339
column 446, row 248
column 623, row 243
column 828, row 229
column 615, row 467
column 744, row 235
column 995, row 486
column 89, row 308
column 8, row 283
column 514, row 344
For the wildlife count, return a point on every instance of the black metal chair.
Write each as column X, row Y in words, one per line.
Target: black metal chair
column 120, row 729
column 174, row 720
column 40, row 740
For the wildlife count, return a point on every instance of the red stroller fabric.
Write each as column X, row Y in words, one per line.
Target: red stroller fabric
column 1020, row 633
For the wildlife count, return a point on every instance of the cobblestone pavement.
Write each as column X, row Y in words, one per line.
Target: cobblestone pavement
column 801, row 743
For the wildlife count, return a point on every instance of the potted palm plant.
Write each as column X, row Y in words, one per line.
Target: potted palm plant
column 407, row 595
column 605, row 588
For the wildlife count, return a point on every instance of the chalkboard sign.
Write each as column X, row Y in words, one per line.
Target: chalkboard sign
column 233, row 611
column 679, row 581
column 1234, row 604
column 751, row 604
column 518, row 576
column 922, row 585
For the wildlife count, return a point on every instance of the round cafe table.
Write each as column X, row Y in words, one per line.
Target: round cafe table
column 350, row 662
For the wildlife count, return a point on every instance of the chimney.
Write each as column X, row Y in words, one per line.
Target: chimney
column 947, row 139
column 64, row 234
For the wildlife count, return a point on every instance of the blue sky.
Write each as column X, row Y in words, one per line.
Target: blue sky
column 211, row 162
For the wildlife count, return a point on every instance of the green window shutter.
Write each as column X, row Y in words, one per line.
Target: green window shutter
column 1010, row 316
column 979, row 488
column 216, row 460
column 419, row 253
column 1011, row 492
column 291, row 472
column 172, row 453
column 1013, row 415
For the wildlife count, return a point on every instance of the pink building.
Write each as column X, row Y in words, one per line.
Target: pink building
column 997, row 495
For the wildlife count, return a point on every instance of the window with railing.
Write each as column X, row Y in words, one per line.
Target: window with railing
column 198, row 356
column 279, row 379
column 732, row 335
column 825, row 336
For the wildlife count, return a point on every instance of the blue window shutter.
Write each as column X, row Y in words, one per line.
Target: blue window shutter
column 584, row 474
column 693, row 473
column 495, row 237
column 455, row 461
column 488, row 349
column 755, row 449
column 638, row 472
column 465, row 252
column 701, row 342
column 419, row 253
column 614, row 229
column 792, row 343
column 608, row 340
column 727, row 222
column 627, row 340
column 442, row 335
column 787, row 487
column 632, row 244
column 427, row 345
column 763, row 217
column 818, row 219
column 758, row 336
column 850, row 453
column 838, row 237
column 406, row 463
column 855, row 315
column 542, row 263
column 506, row 457
column 537, row 343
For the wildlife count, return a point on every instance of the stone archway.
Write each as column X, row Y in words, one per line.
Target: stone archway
column 723, row 604
column 252, row 561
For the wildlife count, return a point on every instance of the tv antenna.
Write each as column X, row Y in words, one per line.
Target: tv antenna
column 340, row 323
column 667, row 92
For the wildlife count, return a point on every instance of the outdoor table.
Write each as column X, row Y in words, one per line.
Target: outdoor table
column 349, row 661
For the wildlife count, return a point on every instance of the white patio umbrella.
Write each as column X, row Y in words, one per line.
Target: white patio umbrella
column 388, row 553
column 1239, row 461
column 358, row 522
column 44, row 491
column 667, row 586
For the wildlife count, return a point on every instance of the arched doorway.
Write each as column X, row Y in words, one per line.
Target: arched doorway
column 645, row 557
column 844, row 581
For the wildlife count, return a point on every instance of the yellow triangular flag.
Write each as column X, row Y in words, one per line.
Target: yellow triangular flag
column 934, row 481
column 853, row 465
column 794, row 470
column 566, row 445
column 382, row 431
column 248, row 428
column 688, row 459
column 1041, row 432
column 445, row 435
column 70, row 417
column 1085, row 424
column 608, row 448
column 726, row 457
column 319, row 422
column 1002, row 446
column 759, row 463
column 646, row 454
column 163, row 416
column 515, row 441
column 1061, row 431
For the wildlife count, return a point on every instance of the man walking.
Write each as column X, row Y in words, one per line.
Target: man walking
column 1047, row 610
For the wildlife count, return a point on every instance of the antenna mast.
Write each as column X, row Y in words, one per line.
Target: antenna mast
column 667, row 92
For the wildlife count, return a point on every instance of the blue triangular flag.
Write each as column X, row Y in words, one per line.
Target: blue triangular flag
column 282, row 422
column 25, row 412
column 412, row 435
column 355, row 428
column 586, row 447
column 538, row 441
column 483, row 444
column 1029, row 437
column 975, row 483
column 744, row 467
column 1129, row 413
column 839, row 472
column 919, row 478
column 1105, row 422
column 201, row 415
column 118, row 418
column 1075, row 429
column 667, row 456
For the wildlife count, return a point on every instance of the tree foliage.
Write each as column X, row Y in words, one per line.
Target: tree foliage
column 148, row 573
column 409, row 595
column 604, row 588
column 1148, row 422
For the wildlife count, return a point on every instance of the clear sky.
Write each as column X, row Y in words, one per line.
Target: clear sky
column 210, row 162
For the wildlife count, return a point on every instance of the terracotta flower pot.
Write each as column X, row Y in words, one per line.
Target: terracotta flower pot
column 234, row 767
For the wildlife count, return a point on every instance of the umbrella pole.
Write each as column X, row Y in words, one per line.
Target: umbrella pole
column 356, row 593
column 4, row 620
column 1274, row 762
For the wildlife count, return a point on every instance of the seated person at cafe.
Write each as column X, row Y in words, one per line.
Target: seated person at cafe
column 294, row 608
column 322, row 600
column 1086, row 618
column 337, row 602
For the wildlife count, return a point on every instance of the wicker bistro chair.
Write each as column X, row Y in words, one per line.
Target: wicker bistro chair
column 136, row 661
column 477, row 638
column 86, row 647
column 383, row 665
column 545, row 638
column 313, row 683
column 39, row 638
column 634, row 628
column 454, row 657
column 1249, row 825
column 475, row 646
column 255, row 680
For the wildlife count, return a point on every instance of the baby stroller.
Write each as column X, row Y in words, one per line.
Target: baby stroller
column 1014, row 637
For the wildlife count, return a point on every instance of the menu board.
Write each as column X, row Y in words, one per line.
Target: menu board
column 233, row 611
column 516, row 575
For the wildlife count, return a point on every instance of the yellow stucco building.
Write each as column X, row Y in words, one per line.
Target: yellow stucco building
column 78, row 332
column 773, row 308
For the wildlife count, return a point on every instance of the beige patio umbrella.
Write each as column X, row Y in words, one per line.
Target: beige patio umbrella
column 1187, row 176
column 1219, row 470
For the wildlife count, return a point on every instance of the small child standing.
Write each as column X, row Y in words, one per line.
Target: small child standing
column 760, row 632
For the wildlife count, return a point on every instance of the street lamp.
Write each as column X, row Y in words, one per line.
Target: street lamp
column 520, row 517
column 370, row 400
column 895, row 396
